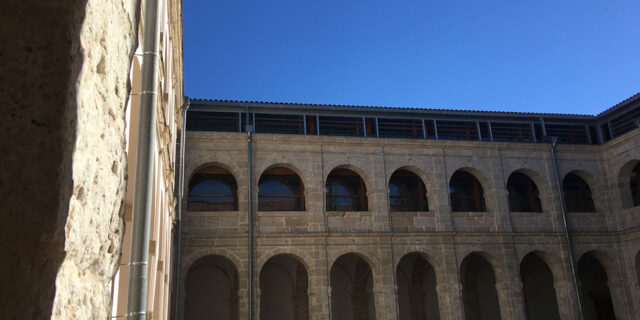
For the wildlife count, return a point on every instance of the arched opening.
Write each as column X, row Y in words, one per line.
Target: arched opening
column 634, row 185
column 479, row 295
column 466, row 193
column 407, row 192
column 352, row 289
column 283, row 289
column 280, row 189
column 211, row 289
column 577, row 194
column 537, row 285
column 213, row 189
column 596, row 297
column 523, row 194
column 345, row 191
column 416, row 281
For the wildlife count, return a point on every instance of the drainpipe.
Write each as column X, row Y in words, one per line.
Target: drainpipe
column 249, row 130
column 180, row 199
column 137, row 291
column 554, row 144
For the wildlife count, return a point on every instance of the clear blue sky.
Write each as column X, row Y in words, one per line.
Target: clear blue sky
column 538, row 56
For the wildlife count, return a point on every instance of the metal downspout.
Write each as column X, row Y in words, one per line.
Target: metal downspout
column 554, row 144
column 137, row 290
column 249, row 130
column 183, row 139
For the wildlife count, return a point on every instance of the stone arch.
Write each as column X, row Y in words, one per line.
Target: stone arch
column 623, row 183
column 412, row 195
column 286, row 165
column 352, row 288
column 296, row 253
column 435, row 264
column 190, row 259
column 418, row 172
column 490, row 257
column 605, row 260
column 360, row 172
column 487, row 188
column 478, row 174
column 364, row 200
column 479, row 294
column 592, row 183
column 594, row 279
column 367, row 257
column 283, row 281
column 416, row 282
column 553, row 262
column 538, row 180
column 538, row 288
column 211, row 288
column 303, row 205
column 234, row 170
column 223, row 184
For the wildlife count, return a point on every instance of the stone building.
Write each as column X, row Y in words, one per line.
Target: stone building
column 71, row 76
column 348, row 212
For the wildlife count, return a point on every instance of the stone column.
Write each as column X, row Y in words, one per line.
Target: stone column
column 318, row 292
column 439, row 194
column 448, row 286
column 567, row 299
column 384, row 286
column 511, row 300
column 495, row 194
column 449, row 301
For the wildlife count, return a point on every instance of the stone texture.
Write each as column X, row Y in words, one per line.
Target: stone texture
column 443, row 237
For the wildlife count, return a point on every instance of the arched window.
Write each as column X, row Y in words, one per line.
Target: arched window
column 577, row 194
column 345, row 191
column 523, row 194
column 634, row 184
column 280, row 189
column 213, row 189
column 466, row 193
column 407, row 192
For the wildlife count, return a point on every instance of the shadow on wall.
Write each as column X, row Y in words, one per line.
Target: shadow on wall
column 43, row 63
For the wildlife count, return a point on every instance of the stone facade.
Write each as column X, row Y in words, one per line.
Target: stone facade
column 67, row 74
column 317, row 238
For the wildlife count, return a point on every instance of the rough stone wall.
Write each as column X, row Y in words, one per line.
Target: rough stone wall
column 318, row 238
column 107, row 42
column 63, row 70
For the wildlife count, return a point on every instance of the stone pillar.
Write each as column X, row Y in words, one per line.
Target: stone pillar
column 377, row 195
column 495, row 194
column 511, row 300
column 439, row 194
column 567, row 299
column 619, row 299
column 319, row 292
column 449, row 301
column 384, row 287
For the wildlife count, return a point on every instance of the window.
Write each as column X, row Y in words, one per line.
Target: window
column 466, row 193
column 634, row 184
column 345, row 191
column 523, row 194
column 407, row 192
column 280, row 189
column 577, row 194
column 213, row 189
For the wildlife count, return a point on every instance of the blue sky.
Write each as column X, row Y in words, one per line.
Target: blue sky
column 534, row 56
